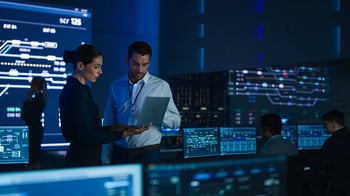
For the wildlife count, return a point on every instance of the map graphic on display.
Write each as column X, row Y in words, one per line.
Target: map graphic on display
column 33, row 39
column 291, row 86
column 297, row 92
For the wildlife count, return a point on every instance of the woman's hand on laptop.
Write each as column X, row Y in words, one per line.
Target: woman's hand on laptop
column 133, row 130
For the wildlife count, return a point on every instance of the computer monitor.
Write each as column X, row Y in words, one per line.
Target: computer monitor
column 200, row 142
column 14, row 148
column 311, row 137
column 171, row 139
column 247, row 176
column 237, row 140
column 33, row 39
column 170, row 132
column 100, row 180
column 289, row 132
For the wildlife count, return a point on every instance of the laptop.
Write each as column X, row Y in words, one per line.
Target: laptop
column 153, row 110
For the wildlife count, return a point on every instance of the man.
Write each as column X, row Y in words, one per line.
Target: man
column 275, row 144
column 333, row 165
column 124, row 102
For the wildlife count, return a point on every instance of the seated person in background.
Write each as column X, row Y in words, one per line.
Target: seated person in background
column 333, row 165
column 275, row 144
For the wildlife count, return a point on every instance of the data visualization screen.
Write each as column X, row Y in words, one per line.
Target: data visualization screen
column 100, row 180
column 200, row 142
column 170, row 132
column 14, row 148
column 237, row 140
column 300, row 93
column 32, row 42
column 311, row 137
column 290, row 132
column 246, row 176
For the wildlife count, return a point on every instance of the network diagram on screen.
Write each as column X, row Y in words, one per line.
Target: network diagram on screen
column 299, row 93
column 292, row 86
column 32, row 42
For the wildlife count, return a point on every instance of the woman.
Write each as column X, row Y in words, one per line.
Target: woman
column 80, row 116
column 33, row 108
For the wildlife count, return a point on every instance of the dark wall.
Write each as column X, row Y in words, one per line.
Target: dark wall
column 206, row 35
column 251, row 33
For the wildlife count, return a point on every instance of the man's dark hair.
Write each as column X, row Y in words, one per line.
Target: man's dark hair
column 139, row 47
column 334, row 115
column 273, row 121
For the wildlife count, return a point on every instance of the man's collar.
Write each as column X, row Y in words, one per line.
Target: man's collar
column 143, row 80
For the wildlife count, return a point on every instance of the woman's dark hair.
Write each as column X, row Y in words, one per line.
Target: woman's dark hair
column 84, row 53
column 139, row 47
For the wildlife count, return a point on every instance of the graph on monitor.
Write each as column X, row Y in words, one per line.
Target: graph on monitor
column 311, row 137
column 32, row 42
column 237, row 140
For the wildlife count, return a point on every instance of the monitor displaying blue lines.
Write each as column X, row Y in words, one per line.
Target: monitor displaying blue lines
column 289, row 132
column 121, row 179
column 32, row 42
column 237, row 140
column 245, row 176
column 311, row 137
column 300, row 93
column 14, row 145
